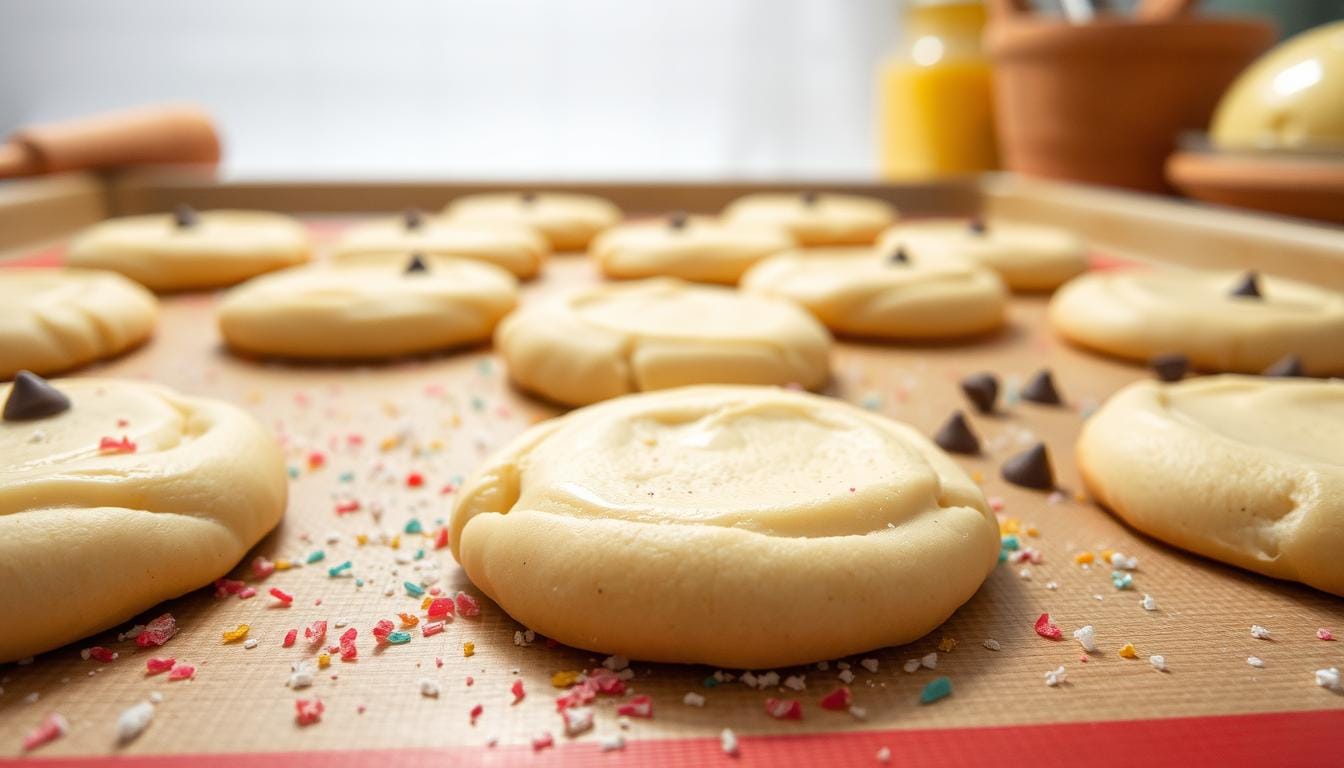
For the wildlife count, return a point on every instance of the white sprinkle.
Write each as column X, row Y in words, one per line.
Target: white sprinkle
column 250, row 643
column 1086, row 637
column 842, row 665
column 911, row 666
column 340, row 623
column 1052, row 585
column 884, row 755
column 795, row 682
column 869, row 664
column 1259, row 632
column 612, row 742
column 1255, row 661
column 428, row 688
column 929, row 660
column 993, row 645
column 846, row 676
column 1025, row 574
column 617, row 663
column 1055, row 676
column 300, row 675
column 1098, row 598
column 748, row 679
column 133, row 721
column 1328, row 678
column 1159, row 663
column 524, row 638
column 629, row 674
column 156, row 697
column 823, row 665
column 728, row 741
column 693, row 699
column 32, row 698
column 624, row 722
column 768, row 680
column 858, row 713
column 577, row 720
column 1148, row 603
column 1121, row 563
column 132, row 632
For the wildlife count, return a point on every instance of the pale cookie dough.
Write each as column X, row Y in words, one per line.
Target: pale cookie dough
column 520, row 250
column 52, row 320
column 1028, row 257
column 697, row 248
column 569, row 221
column 379, row 307
column 90, row 537
column 815, row 218
column 654, row 334
column 1140, row 314
column 863, row 292
column 168, row 252
column 740, row 527
column 1246, row 470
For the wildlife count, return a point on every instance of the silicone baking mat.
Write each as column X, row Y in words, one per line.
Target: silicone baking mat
column 376, row 453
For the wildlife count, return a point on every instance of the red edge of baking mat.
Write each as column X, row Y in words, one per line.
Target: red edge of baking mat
column 1314, row 738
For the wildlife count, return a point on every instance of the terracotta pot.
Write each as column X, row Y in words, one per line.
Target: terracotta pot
column 1104, row 102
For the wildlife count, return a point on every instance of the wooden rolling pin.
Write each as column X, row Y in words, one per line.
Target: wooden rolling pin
column 144, row 135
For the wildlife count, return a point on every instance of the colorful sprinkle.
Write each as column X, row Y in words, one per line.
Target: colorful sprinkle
column 49, row 730
column 838, row 700
column 109, row 445
column 784, row 709
column 234, row 635
column 938, row 688
column 413, row 589
column 290, row 637
column 340, row 570
column 1127, row 651
column 517, row 690
column 157, row 632
column 1047, row 630
column 279, row 594
column 155, row 665
column 308, row 711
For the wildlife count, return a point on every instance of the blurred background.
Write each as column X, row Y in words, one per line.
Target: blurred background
column 492, row 89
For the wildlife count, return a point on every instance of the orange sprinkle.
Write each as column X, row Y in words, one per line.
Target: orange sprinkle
column 1127, row 651
column 1083, row 558
column 234, row 635
column 323, row 660
column 361, row 539
column 408, row 620
column 468, row 648
column 283, row 564
column 1009, row 525
column 1032, row 532
column 565, row 679
column 947, row 644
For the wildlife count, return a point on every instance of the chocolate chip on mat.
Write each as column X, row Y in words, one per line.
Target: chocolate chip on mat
column 678, row 220
column 809, row 198
column 1170, row 367
column 528, row 198
column 1041, row 389
column 416, row 265
column 184, row 216
column 1287, row 367
column 956, row 435
column 982, row 389
column 899, row 256
column 977, row 226
column 31, row 397
column 1248, row 287
column 413, row 218
column 1030, row 469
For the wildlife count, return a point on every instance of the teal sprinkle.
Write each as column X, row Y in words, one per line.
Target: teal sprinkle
column 455, row 479
column 419, row 554
column 413, row 526
column 347, row 476
column 316, row 556
column 413, row 589
column 293, row 472
column 397, row 638
column 339, row 570
column 477, row 404
column 1010, row 543
column 359, row 582
column 1122, row 580
column 1003, row 555
column 710, row 682
column 872, row 402
column 938, row 688
column 484, row 367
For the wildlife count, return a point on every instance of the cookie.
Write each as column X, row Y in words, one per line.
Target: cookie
column 1028, row 257
column 1140, row 314
column 131, row 495
column 697, row 248
column 815, row 218
column 568, row 221
column 739, row 527
column 654, row 334
column 380, row 306
column 190, row 250
column 520, row 250
column 1246, row 470
column 863, row 292
column 57, row 319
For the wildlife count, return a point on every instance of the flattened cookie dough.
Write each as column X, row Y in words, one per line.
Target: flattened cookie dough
column 1028, row 257
column 1141, row 314
column 568, row 221
column 815, row 218
column 1246, row 470
column 56, row 319
column 132, row 495
column 520, row 250
column 654, row 334
column 741, row 527
column 381, row 306
column 701, row 249
column 188, row 249
column 862, row 292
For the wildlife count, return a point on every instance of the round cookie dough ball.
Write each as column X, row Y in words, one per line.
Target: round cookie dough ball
column 568, row 221
column 188, row 250
column 862, row 292
column 1246, row 470
column 56, row 319
column 740, row 527
column 1141, row 313
column 1028, row 257
column 815, row 218
column 697, row 248
column 519, row 249
column 376, row 308
column 100, row 522
column 654, row 334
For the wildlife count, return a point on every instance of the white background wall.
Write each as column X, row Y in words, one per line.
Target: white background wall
column 474, row 88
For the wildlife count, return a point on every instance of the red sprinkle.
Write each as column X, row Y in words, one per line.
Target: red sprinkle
column 784, row 709
column 316, row 632
column 577, row 696
column 281, row 595
column 1047, row 630
column 467, row 605
column 544, row 741
column 154, row 665
column 308, row 711
column 99, row 653
column 476, row 712
column 431, row 628
column 838, row 700
column 381, row 630
column 247, row 593
column 290, row 637
column 1325, row 634
column 182, row 672
column 316, row 459
column 606, row 681
column 157, row 632
column 415, row 480
column 261, row 567
column 440, row 607
column 517, row 690
column 348, row 650
column 113, row 445
column 441, row 538
column 51, row 729
column 226, row 587
column 638, row 706
column 346, row 507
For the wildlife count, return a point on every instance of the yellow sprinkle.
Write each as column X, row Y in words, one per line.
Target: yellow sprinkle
column 361, row 539
column 425, row 603
column 1009, row 525
column 1127, row 651
column 408, row 620
column 1083, row 558
column 947, row 644
column 977, row 477
column 436, row 445
column 456, row 421
column 390, row 408
column 233, row 635
column 1106, row 555
column 1032, row 532
column 323, row 660
column 565, row 679
column 468, row 649
column 283, row 564
column 395, row 543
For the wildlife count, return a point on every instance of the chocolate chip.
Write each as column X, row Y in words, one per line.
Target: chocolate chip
column 1030, row 469
column 1288, row 366
column 528, row 198
column 416, row 265
column 1170, row 367
column 184, row 216
column 1249, row 286
column 809, row 198
column 982, row 389
column 413, row 218
column 1041, row 389
column 977, row 226
column 31, row 397
column 678, row 220
column 899, row 256
column 956, row 435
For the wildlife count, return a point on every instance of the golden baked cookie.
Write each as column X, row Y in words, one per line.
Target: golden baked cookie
column 519, row 249
column 1028, row 257
column 568, row 221
column 701, row 249
column 815, row 218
